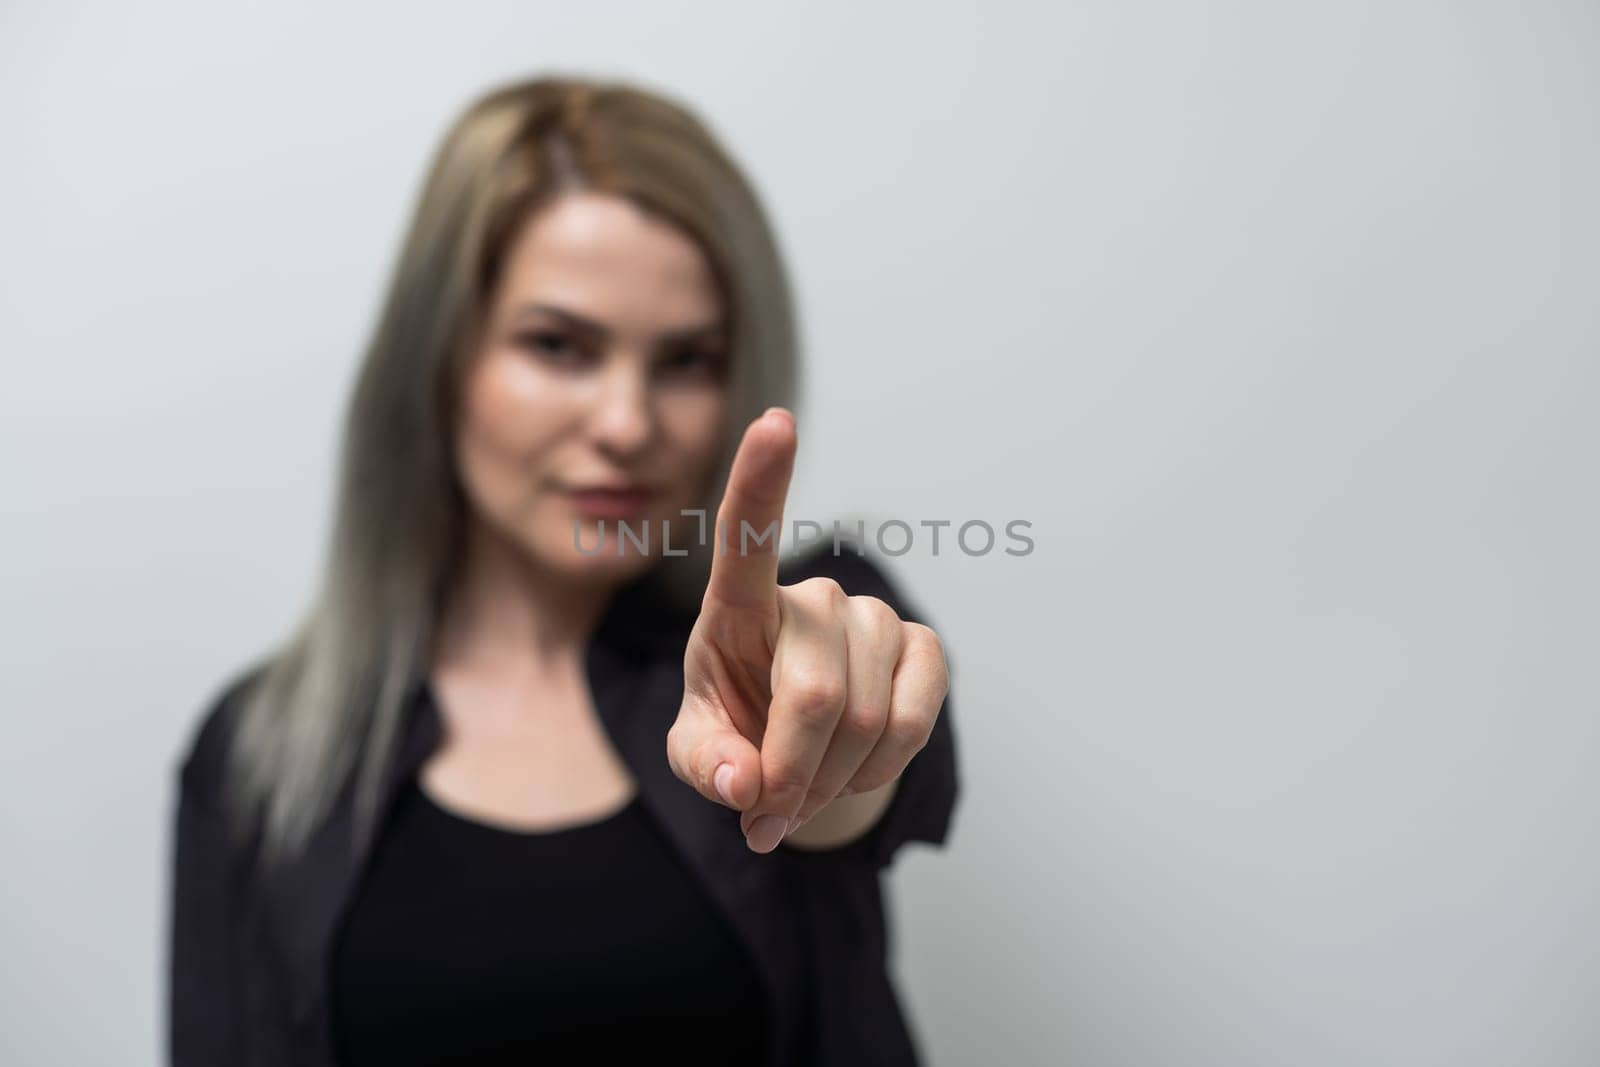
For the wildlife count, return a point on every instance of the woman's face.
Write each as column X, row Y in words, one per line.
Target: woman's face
column 598, row 390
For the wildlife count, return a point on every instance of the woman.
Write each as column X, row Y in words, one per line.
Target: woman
column 510, row 791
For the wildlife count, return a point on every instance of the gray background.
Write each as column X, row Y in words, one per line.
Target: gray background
column 1278, row 322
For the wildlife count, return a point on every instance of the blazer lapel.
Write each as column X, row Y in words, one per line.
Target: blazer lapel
column 308, row 897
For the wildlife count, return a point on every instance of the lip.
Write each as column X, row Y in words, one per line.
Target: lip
column 610, row 502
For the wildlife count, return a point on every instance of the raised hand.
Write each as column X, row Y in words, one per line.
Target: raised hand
column 795, row 695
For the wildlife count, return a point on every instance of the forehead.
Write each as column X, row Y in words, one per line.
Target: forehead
column 604, row 257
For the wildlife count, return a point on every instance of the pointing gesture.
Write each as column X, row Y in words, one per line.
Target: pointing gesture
column 795, row 695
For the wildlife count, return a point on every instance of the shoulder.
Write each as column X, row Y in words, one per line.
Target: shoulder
column 203, row 762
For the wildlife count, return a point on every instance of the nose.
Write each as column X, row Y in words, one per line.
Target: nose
column 623, row 421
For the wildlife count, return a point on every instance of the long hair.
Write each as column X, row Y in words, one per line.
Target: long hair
column 329, row 704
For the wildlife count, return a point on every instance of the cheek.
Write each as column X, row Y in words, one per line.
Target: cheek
column 510, row 414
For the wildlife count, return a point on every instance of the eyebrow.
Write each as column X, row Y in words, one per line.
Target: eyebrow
column 572, row 318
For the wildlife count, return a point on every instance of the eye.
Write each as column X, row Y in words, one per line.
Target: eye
column 695, row 362
column 554, row 347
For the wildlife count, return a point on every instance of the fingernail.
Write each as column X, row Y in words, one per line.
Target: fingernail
column 724, row 782
column 766, row 832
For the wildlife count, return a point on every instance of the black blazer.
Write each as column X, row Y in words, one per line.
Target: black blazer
column 250, row 957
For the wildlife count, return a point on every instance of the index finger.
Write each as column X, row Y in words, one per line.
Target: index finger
column 744, row 567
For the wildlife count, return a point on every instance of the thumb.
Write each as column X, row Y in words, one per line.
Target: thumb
column 718, row 761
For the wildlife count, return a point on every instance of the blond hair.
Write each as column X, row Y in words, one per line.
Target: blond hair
column 328, row 706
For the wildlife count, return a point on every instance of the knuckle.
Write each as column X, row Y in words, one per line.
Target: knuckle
column 818, row 706
column 908, row 733
column 864, row 722
column 878, row 618
column 923, row 637
column 815, row 693
column 674, row 745
column 930, row 652
column 820, row 591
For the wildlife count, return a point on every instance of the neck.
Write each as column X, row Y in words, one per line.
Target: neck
column 505, row 605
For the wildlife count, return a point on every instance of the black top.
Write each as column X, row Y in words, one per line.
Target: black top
column 250, row 964
column 475, row 944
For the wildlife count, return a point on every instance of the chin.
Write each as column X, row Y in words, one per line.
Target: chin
column 601, row 567
column 609, row 569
